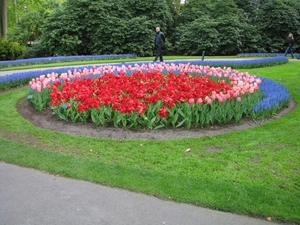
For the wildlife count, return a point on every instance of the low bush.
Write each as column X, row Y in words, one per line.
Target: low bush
column 34, row 51
column 10, row 50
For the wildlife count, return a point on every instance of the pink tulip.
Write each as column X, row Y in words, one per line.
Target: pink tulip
column 38, row 88
column 191, row 101
column 199, row 101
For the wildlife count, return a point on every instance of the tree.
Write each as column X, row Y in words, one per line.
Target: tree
column 175, row 6
column 157, row 12
column 3, row 18
column 194, row 9
column 29, row 25
column 250, row 8
column 276, row 18
column 104, row 27
column 217, row 28
column 16, row 9
column 198, row 36
column 235, row 33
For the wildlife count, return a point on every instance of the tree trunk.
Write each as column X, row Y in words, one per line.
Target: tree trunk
column 3, row 18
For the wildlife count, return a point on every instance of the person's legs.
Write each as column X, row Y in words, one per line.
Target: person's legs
column 161, row 57
column 155, row 59
column 158, row 53
column 286, row 51
column 289, row 50
column 292, row 52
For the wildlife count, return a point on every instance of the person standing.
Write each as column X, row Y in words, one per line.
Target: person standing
column 290, row 45
column 159, row 43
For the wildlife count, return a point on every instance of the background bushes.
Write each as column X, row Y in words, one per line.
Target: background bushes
column 10, row 50
column 219, row 27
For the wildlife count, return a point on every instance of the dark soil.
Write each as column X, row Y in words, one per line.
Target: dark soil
column 47, row 120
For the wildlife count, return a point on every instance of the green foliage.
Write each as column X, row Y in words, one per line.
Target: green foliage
column 35, row 51
column 39, row 99
column 18, row 9
column 10, row 50
column 231, row 27
column 249, row 8
column 157, row 12
column 80, row 27
column 197, row 36
column 193, row 10
column 56, row 33
column 117, row 36
column 28, row 28
column 252, row 26
column 218, row 28
column 250, row 40
column 96, row 27
column 275, row 19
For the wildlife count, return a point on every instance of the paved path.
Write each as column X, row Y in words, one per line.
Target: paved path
column 29, row 197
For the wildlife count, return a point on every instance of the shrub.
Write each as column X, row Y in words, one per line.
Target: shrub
column 10, row 50
column 35, row 51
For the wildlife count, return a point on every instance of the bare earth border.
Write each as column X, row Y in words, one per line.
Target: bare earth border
column 47, row 120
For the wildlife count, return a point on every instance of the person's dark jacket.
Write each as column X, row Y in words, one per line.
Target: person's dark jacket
column 159, row 38
column 291, row 42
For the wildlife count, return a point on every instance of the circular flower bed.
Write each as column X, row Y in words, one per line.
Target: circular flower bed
column 156, row 95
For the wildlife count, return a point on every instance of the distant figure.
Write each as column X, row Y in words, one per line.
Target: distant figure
column 290, row 45
column 159, row 43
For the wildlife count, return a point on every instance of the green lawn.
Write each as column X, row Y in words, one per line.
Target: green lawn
column 252, row 172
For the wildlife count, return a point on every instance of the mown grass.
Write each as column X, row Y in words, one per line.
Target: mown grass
column 253, row 172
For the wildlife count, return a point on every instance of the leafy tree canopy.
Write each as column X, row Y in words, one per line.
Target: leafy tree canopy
column 104, row 27
column 75, row 27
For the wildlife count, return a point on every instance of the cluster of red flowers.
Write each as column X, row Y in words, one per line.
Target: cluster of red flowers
column 135, row 92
